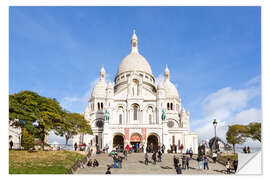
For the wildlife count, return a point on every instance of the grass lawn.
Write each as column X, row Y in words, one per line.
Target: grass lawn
column 224, row 158
column 42, row 162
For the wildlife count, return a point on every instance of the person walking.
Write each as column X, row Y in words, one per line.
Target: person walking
column 154, row 157
column 214, row 157
column 127, row 148
column 248, row 149
column 235, row 164
column 146, row 159
column 75, row 146
column 187, row 162
column 179, row 169
column 163, row 149
column 11, row 144
column 245, row 149
column 125, row 154
column 175, row 161
column 200, row 159
column 190, row 153
column 205, row 163
column 137, row 147
column 114, row 161
column 159, row 156
column 119, row 162
column 184, row 161
column 108, row 171
column 228, row 166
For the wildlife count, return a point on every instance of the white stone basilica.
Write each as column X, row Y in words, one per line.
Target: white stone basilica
column 135, row 107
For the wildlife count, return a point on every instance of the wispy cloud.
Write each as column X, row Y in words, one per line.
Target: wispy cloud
column 78, row 103
column 159, row 79
column 228, row 106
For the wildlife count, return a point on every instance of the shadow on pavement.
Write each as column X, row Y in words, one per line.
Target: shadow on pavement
column 166, row 167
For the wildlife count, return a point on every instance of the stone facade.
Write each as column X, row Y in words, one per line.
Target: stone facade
column 135, row 105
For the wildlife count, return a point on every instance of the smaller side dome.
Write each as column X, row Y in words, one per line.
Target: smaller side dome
column 170, row 90
column 99, row 90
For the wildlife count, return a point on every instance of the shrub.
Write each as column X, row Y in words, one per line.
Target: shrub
column 27, row 140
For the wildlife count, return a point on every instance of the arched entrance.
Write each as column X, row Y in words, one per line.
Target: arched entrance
column 152, row 143
column 135, row 141
column 118, row 142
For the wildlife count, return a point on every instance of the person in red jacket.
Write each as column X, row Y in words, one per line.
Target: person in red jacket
column 127, row 148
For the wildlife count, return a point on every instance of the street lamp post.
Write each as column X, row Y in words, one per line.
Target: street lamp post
column 215, row 126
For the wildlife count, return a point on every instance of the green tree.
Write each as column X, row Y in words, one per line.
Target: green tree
column 254, row 131
column 236, row 134
column 27, row 140
column 72, row 124
column 30, row 108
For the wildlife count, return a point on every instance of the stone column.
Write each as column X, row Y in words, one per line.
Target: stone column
column 105, row 135
column 165, row 135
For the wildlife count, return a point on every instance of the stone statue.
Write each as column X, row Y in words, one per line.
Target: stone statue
column 163, row 116
column 107, row 114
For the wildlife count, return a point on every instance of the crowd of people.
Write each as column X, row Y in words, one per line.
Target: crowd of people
column 180, row 163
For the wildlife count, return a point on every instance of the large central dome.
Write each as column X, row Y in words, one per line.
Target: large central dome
column 134, row 61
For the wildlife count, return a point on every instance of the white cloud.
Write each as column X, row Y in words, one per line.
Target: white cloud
column 253, row 81
column 68, row 101
column 247, row 116
column 227, row 105
column 74, row 102
column 159, row 79
column 228, row 99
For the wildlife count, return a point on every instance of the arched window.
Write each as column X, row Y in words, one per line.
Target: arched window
column 168, row 106
column 98, row 106
column 135, row 112
column 120, row 118
column 150, row 114
column 101, row 107
column 171, row 106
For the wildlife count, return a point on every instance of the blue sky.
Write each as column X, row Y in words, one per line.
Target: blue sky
column 213, row 53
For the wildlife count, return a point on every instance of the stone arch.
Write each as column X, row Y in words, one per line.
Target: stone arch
column 136, row 109
column 150, row 114
column 135, row 137
column 120, row 114
column 118, row 141
column 153, row 142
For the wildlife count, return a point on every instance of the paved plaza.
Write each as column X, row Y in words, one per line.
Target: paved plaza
column 135, row 165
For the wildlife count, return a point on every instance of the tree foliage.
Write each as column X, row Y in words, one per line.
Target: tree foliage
column 27, row 140
column 72, row 124
column 236, row 134
column 254, row 131
column 29, row 108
